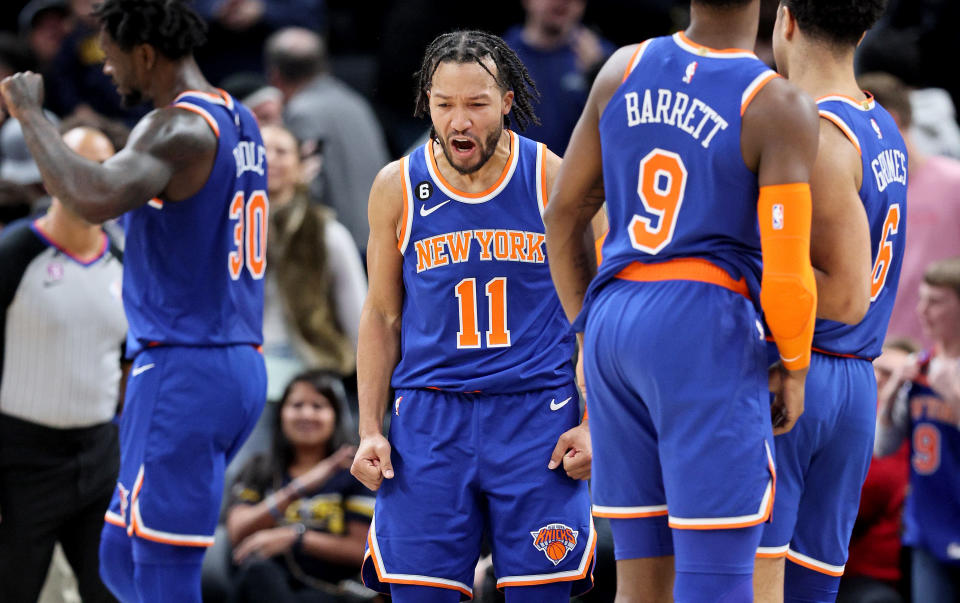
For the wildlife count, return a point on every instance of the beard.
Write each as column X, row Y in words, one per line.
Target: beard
column 487, row 148
column 131, row 99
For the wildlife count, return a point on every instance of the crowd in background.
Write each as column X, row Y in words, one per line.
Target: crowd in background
column 331, row 83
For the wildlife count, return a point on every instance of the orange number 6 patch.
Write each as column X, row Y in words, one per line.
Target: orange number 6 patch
column 498, row 336
column 890, row 227
column 663, row 179
column 251, row 229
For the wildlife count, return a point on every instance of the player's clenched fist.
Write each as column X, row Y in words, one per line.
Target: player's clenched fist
column 372, row 463
column 575, row 451
column 21, row 91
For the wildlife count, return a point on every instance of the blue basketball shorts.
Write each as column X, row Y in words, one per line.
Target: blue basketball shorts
column 821, row 465
column 677, row 388
column 187, row 412
column 466, row 464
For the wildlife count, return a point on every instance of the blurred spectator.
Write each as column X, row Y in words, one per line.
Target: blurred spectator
column 315, row 285
column 322, row 109
column 14, row 56
column 562, row 57
column 873, row 571
column 75, row 81
column 934, row 130
column 922, row 404
column 933, row 207
column 44, row 24
column 63, row 328
column 265, row 101
column 17, row 165
column 240, row 28
column 297, row 519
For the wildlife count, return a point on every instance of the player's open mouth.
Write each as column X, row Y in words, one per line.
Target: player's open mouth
column 462, row 146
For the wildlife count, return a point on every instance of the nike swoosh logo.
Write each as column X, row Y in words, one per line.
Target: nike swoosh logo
column 426, row 212
column 555, row 406
column 142, row 369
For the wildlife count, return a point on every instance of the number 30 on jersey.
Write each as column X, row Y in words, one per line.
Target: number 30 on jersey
column 249, row 235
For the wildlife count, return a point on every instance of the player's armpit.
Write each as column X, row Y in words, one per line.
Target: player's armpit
column 840, row 233
column 788, row 292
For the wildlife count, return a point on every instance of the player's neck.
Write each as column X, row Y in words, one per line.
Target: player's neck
column 723, row 28
column 184, row 75
column 482, row 179
column 72, row 233
column 822, row 71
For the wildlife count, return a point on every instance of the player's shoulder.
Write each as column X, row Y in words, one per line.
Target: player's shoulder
column 174, row 130
column 781, row 108
column 389, row 188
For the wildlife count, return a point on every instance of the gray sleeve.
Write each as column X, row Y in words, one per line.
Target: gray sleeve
column 349, row 281
column 892, row 430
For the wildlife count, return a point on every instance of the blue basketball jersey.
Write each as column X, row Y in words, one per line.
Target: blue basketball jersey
column 480, row 313
column 193, row 269
column 931, row 517
column 884, row 194
column 673, row 171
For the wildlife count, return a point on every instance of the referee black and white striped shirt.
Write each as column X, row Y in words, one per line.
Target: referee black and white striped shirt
column 62, row 330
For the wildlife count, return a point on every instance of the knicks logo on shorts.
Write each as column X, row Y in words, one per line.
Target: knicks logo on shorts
column 555, row 540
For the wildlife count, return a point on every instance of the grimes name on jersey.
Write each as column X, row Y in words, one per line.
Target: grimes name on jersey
column 490, row 244
column 889, row 166
column 250, row 157
column 677, row 109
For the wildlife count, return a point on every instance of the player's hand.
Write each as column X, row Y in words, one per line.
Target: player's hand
column 574, row 450
column 372, row 464
column 325, row 469
column 21, row 92
column 265, row 543
column 788, row 389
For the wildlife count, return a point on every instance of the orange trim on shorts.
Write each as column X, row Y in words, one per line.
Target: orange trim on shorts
column 406, row 209
column 381, row 578
column 771, row 555
column 454, row 190
column 812, row 567
column 770, row 77
column 213, row 124
column 684, row 269
column 115, row 522
column 586, row 572
column 642, row 515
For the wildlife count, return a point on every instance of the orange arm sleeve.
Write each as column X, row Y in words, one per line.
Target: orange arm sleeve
column 788, row 292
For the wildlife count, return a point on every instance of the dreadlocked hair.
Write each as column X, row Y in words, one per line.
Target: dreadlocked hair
column 173, row 27
column 471, row 46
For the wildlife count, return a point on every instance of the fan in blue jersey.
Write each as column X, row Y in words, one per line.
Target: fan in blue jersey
column 693, row 139
column 859, row 222
column 462, row 321
column 923, row 405
column 192, row 185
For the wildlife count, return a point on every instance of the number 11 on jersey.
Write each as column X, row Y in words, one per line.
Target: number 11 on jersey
column 498, row 336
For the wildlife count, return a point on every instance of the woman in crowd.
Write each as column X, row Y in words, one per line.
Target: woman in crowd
column 315, row 284
column 296, row 517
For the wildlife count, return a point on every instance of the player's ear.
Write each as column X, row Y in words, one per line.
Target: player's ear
column 146, row 55
column 789, row 21
column 507, row 102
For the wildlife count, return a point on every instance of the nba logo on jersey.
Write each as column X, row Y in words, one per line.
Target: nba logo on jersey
column 778, row 216
column 691, row 69
column 555, row 540
column 876, row 128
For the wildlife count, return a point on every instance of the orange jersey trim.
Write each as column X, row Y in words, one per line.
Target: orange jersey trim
column 843, row 128
column 543, row 175
column 406, row 208
column 684, row 269
column 687, row 40
column 503, row 175
column 210, row 121
column 865, row 104
column 753, row 93
column 633, row 58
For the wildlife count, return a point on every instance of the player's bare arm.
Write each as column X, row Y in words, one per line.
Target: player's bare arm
column 169, row 154
column 782, row 153
column 577, row 193
column 840, row 234
column 378, row 349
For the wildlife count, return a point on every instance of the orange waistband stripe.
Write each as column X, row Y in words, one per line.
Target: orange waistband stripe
column 684, row 269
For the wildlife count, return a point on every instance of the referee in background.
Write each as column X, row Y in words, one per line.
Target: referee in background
column 62, row 326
